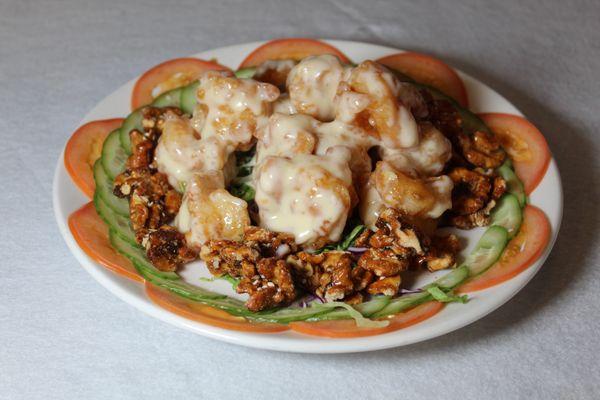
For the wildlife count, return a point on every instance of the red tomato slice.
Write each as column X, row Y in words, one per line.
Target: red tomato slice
column 348, row 329
column 522, row 251
column 295, row 49
column 84, row 148
column 430, row 71
column 205, row 314
column 169, row 75
column 91, row 234
column 525, row 145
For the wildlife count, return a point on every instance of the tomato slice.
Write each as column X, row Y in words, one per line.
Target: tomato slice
column 91, row 234
column 525, row 145
column 522, row 251
column 84, row 148
column 169, row 75
column 430, row 71
column 293, row 48
column 206, row 314
column 347, row 328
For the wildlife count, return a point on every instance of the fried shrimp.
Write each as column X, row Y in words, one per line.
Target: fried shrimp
column 307, row 196
column 429, row 197
column 208, row 211
column 428, row 158
column 312, row 85
column 385, row 117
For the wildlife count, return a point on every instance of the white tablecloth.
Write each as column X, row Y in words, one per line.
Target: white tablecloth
column 63, row 336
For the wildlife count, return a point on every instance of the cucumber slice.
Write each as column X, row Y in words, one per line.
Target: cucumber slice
column 104, row 188
column 513, row 183
column 508, row 214
column 488, row 250
column 452, row 279
column 188, row 99
column 402, row 303
column 117, row 223
column 172, row 98
column 245, row 73
column 133, row 121
column 367, row 309
column 113, row 155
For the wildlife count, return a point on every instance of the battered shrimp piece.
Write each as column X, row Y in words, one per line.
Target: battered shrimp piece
column 181, row 152
column 308, row 196
column 283, row 105
column 232, row 109
column 385, row 118
column 209, row 212
column 274, row 72
column 313, row 83
column 428, row 197
column 428, row 158
column 286, row 136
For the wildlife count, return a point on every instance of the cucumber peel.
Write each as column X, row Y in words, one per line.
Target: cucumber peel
column 508, row 214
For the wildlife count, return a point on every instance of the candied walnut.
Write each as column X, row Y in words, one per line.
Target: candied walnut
column 471, row 190
column 269, row 243
column 327, row 274
column 481, row 149
column 473, row 197
column 166, row 248
column 442, row 252
column 258, row 260
column 228, row 257
column 361, row 277
column 388, row 286
column 443, row 115
column 269, row 284
column 384, row 262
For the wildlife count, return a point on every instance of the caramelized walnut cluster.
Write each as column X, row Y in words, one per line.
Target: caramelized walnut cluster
column 473, row 197
column 153, row 203
column 271, row 268
column 259, row 261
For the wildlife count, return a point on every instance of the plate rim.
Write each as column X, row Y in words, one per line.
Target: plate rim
column 130, row 292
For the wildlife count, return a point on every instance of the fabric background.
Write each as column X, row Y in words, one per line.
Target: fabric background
column 63, row 336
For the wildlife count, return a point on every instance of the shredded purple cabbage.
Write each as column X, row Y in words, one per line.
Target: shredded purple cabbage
column 357, row 249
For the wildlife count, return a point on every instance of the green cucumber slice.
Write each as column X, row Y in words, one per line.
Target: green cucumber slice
column 245, row 73
column 188, row 99
column 508, row 214
column 513, row 183
column 367, row 309
column 487, row 251
column 403, row 303
column 113, row 155
column 104, row 188
column 133, row 121
column 117, row 223
column 172, row 98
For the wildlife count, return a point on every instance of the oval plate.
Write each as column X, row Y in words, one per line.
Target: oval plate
column 547, row 196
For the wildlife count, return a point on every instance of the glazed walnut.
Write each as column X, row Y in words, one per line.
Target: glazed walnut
column 473, row 197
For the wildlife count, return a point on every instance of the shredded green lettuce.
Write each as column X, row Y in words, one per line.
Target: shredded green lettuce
column 439, row 295
column 360, row 320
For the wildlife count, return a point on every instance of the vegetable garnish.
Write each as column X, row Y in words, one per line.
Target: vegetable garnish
column 361, row 321
column 439, row 295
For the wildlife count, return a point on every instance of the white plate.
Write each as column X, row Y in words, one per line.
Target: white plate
column 547, row 196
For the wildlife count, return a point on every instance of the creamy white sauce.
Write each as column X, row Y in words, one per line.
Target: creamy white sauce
column 180, row 152
column 307, row 196
column 312, row 151
column 428, row 158
column 233, row 109
column 312, row 85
